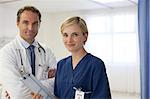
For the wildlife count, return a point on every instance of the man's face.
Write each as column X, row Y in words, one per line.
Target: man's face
column 28, row 25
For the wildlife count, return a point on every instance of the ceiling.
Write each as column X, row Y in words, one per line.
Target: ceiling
column 64, row 5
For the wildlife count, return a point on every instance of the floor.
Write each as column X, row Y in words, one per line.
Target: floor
column 117, row 95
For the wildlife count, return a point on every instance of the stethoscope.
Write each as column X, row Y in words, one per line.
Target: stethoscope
column 44, row 66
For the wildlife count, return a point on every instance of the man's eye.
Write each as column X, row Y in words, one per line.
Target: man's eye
column 25, row 22
column 35, row 24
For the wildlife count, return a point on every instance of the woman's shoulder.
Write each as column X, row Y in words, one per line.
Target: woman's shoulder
column 96, row 63
column 63, row 62
column 94, row 58
column 66, row 59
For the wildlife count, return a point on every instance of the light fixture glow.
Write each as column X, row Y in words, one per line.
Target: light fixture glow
column 108, row 1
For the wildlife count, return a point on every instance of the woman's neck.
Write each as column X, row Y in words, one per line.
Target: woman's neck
column 76, row 57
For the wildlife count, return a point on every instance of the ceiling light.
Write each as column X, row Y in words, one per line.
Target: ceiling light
column 107, row 1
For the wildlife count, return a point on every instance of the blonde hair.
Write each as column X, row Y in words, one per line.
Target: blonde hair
column 75, row 20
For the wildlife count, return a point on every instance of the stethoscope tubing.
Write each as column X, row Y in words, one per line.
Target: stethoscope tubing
column 40, row 47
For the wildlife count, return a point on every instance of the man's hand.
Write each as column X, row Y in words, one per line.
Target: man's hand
column 36, row 96
column 51, row 73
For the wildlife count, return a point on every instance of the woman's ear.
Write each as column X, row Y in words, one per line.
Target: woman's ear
column 85, row 36
column 17, row 23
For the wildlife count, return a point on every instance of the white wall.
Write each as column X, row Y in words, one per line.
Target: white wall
column 124, row 78
column 0, row 20
column 49, row 34
column 8, row 22
column 8, row 28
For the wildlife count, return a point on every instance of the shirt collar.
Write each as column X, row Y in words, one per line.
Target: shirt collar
column 25, row 44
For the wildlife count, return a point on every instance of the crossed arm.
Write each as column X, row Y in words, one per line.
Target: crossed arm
column 51, row 74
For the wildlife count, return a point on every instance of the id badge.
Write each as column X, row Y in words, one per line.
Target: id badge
column 79, row 94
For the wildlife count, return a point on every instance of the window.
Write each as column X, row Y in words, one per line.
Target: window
column 115, row 36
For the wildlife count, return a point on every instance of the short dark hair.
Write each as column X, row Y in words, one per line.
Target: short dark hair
column 28, row 8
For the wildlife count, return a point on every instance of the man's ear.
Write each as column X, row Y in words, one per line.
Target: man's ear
column 39, row 25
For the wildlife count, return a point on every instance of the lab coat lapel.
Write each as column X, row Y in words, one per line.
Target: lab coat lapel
column 25, row 59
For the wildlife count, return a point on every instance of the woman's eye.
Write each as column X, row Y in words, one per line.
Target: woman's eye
column 65, row 35
column 75, row 34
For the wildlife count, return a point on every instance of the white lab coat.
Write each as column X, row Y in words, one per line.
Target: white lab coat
column 10, row 64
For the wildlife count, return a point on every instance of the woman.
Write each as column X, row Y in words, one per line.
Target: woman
column 80, row 75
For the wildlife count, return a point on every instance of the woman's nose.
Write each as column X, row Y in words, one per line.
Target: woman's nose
column 69, row 38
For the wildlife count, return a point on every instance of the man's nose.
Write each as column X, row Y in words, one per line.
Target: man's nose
column 30, row 26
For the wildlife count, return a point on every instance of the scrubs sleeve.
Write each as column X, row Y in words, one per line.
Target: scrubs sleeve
column 55, row 84
column 100, row 84
column 57, row 77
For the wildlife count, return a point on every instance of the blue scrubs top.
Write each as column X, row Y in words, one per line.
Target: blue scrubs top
column 89, row 75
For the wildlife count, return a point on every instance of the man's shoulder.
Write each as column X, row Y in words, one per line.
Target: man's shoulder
column 8, row 47
column 45, row 47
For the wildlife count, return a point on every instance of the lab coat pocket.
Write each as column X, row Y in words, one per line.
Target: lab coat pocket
column 41, row 73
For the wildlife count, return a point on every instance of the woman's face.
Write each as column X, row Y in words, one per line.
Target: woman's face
column 73, row 38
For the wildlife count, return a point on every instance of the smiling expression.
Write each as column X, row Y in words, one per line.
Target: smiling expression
column 73, row 38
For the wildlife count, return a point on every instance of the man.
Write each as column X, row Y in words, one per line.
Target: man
column 18, row 56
